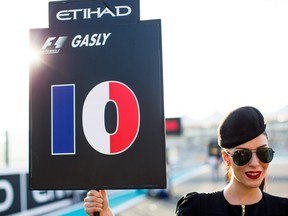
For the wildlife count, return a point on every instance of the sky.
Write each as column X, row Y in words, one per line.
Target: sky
column 217, row 55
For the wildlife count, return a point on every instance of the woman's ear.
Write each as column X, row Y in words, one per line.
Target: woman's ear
column 225, row 158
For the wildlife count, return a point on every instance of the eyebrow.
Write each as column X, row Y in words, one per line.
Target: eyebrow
column 264, row 145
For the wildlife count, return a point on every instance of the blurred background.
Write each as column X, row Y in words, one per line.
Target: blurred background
column 217, row 55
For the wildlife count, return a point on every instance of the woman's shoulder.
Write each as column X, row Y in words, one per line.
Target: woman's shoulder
column 273, row 198
column 195, row 202
column 276, row 204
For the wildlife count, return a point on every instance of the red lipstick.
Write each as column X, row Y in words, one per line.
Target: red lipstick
column 253, row 174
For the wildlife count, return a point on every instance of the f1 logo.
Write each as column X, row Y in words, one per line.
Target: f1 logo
column 93, row 118
column 57, row 44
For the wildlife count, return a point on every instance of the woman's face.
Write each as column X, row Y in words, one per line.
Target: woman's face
column 251, row 174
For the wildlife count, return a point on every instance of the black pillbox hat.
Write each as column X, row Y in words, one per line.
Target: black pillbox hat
column 240, row 126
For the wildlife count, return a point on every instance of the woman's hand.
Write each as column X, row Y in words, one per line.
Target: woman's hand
column 97, row 202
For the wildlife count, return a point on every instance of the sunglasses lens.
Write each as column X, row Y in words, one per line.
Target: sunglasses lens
column 265, row 154
column 242, row 157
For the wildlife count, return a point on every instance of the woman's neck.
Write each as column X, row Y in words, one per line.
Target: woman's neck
column 237, row 194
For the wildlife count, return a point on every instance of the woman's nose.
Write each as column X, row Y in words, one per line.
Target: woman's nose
column 254, row 159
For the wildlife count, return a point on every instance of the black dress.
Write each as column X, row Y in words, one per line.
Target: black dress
column 207, row 204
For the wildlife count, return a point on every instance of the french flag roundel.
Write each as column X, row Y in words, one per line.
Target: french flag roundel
column 128, row 117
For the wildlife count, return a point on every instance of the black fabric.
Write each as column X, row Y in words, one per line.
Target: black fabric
column 240, row 126
column 208, row 204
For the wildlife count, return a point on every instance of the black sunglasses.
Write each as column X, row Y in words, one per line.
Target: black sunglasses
column 243, row 156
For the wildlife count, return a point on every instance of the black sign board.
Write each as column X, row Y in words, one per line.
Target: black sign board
column 96, row 107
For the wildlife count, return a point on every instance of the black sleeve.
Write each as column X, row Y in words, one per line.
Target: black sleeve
column 200, row 204
column 188, row 204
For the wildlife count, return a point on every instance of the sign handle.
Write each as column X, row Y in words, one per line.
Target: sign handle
column 96, row 213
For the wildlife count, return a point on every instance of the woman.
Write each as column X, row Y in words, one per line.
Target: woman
column 247, row 155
